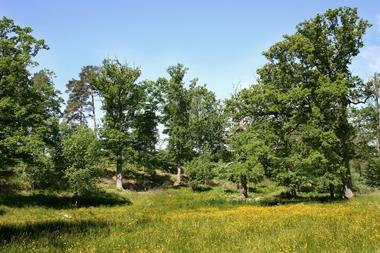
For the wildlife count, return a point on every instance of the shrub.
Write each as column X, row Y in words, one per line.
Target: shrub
column 201, row 169
column 81, row 154
column 40, row 175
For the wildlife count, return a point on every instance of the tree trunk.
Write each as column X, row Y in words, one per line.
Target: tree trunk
column 293, row 192
column 119, row 172
column 93, row 110
column 243, row 186
column 347, row 181
column 81, row 111
column 332, row 191
column 179, row 176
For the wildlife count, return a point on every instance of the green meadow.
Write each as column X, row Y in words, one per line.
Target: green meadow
column 181, row 220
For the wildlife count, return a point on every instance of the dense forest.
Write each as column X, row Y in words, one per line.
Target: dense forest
column 307, row 123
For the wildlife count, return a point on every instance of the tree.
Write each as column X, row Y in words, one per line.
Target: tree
column 18, row 47
column 29, row 105
column 81, row 102
column 81, row 153
column 249, row 151
column 124, row 103
column 85, row 76
column 41, row 145
column 335, row 38
column 145, row 135
column 374, row 86
column 372, row 174
column 176, row 109
column 207, row 121
column 365, row 120
column 304, row 92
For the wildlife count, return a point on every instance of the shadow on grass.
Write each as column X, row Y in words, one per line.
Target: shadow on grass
column 281, row 200
column 144, row 182
column 50, row 229
column 12, row 199
column 267, row 201
column 200, row 187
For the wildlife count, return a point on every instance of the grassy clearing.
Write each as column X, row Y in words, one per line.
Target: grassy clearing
column 184, row 221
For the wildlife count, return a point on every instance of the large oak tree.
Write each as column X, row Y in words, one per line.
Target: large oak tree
column 304, row 92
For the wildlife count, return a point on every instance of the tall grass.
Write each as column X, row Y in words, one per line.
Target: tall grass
column 184, row 221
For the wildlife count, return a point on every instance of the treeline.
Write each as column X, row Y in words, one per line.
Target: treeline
column 307, row 123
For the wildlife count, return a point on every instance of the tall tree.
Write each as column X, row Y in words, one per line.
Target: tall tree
column 375, row 91
column 207, row 121
column 77, row 104
column 41, row 148
column 81, row 101
column 145, row 136
column 366, row 120
column 85, row 75
column 305, row 91
column 123, row 103
column 18, row 47
column 176, row 112
column 29, row 106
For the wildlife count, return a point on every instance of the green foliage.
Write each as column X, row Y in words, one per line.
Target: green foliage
column 80, row 104
column 372, row 174
column 121, row 94
column 130, row 121
column 301, row 102
column 40, row 174
column 29, row 106
column 249, row 152
column 194, row 120
column 201, row 169
column 145, row 135
column 81, row 153
column 176, row 107
column 298, row 125
column 207, row 121
column 40, row 147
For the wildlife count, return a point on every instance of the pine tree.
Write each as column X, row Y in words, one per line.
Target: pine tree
column 81, row 102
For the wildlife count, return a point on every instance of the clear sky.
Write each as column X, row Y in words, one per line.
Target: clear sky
column 219, row 41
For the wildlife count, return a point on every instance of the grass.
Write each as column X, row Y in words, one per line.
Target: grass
column 185, row 221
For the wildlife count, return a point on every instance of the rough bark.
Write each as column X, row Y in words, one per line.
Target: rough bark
column 243, row 186
column 347, row 182
column 179, row 176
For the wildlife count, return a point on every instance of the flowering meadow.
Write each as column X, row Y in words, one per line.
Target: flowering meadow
column 185, row 221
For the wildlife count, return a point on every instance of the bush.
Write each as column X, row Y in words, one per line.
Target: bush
column 81, row 153
column 38, row 166
column 201, row 169
column 292, row 180
column 39, row 175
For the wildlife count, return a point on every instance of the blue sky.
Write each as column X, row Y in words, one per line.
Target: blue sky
column 219, row 41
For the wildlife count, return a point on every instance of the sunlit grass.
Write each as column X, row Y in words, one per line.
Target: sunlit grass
column 183, row 221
